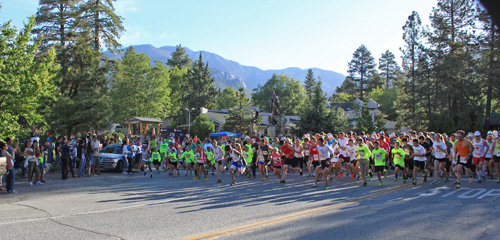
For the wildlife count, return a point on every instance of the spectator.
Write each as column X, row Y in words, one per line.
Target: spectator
column 32, row 165
column 11, row 175
column 65, row 156
column 96, row 148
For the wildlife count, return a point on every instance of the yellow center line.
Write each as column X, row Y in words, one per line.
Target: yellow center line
column 289, row 217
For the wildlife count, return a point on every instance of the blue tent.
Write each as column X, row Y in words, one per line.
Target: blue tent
column 225, row 134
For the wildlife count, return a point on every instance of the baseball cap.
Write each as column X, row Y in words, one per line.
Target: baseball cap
column 477, row 133
column 382, row 133
column 469, row 135
column 495, row 134
column 489, row 133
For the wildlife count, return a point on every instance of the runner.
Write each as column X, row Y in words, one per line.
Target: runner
column 307, row 161
column 219, row 160
column 478, row 155
column 146, row 160
column 379, row 156
column 247, row 161
column 298, row 154
column 351, row 151
column 488, row 161
column 200, row 163
column 234, row 157
column 314, row 159
column 344, row 160
column 276, row 162
column 172, row 155
column 363, row 159
column 440, row 158
column 419, row 160
column 287, row 154
column 262, row 155
column 156, row 157
column 463, row 159
column 398, row 156
column 325, row 156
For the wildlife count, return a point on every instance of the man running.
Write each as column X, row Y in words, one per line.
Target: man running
column 478, row 155
column 363, row 159
column 464, row 148
column 288, row 153
column 325, row 156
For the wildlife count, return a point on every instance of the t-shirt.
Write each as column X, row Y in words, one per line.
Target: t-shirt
column 363, row 152
column 438, row 153
column 379, row 156
column 324, row 152
column 398, row 156
column 313, row 149
column 351, row 150
column 419, row 150
column 287, row 151
column 342, row 143
column 427, row 147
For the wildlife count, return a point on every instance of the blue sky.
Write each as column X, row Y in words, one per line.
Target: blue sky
column 270, row 34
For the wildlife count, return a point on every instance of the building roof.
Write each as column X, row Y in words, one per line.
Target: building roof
column 217, row 118
column 137, row 120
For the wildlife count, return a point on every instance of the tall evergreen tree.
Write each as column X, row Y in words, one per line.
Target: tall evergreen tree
column 179, row 58
column 389, row 69
column 100, row 18
column 239, row 117
column 310, row 84
column 202, row 90
column 361, row 69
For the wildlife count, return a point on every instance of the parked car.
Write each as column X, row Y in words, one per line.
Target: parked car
column 111, row 157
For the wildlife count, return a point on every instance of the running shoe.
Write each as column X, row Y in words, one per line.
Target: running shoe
column 425, row 177
column 151, row 176
column 30, row 183
column 395, row 179
column 479, row 181
column 12, row 191
column 39, row 183
column 144, row 173
column 301, row 173
column 446, row 179
column 219, row 181
column 484, row 178
column 380, row 184
column 232, row 184
column 364, row 184
column 498, row 180
column 414, row 182
column 471, row 180
column 385, row 173
column 263, row 179
column 370, row 173
column 309, row 175
column 314, row 175
column 195, row 178
column 457, row 186
column 315, row 184
column 43, row 181
column 404, row 180
column 326, row 188
column 206, row 179
column 340, row 175
column 283, row 181
column 353, row 176
column 435, row 182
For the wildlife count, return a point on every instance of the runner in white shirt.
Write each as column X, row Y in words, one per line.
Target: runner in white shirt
column 418, row 160
column 440, row 157
column 344, row 159
column 325, row 155
column 351, row 150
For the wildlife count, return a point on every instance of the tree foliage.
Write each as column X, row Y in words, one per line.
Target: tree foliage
column 361, row 69
column 310, row 84
column 239, row 117
column 202, row 126
column 389, row 69
column 139, row 89
column 227, row 99
column 24, row 81
column 200, row 89
column 179, row 58
column 291, row 94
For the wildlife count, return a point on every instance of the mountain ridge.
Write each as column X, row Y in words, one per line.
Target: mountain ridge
column 231, row 73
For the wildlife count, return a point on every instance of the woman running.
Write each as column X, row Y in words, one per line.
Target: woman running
column 276, row 158
column 234, row 155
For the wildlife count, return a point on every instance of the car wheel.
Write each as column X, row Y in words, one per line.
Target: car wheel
column 119, row 166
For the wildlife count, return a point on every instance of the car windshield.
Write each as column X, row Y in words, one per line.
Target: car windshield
column 112, row 149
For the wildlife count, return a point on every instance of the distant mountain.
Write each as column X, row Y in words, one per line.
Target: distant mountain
column 233, row 74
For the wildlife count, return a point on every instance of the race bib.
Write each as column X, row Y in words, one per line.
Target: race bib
column 261, row 158
column 407, row 152
column 378, row 156
column 322, row 156
column 362, row 154
column 245, row 155
column 498, row 153
column 316, row 158
column 264, row 152
column 306, row 152
column 397, row 157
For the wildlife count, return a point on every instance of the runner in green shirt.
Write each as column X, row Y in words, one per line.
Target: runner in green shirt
column 398, row 156
column 363, row 156
column 379, row 155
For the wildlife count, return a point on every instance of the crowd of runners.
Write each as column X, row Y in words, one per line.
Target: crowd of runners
column 325, row 156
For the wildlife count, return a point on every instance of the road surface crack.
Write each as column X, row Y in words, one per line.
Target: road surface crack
column 51, row 218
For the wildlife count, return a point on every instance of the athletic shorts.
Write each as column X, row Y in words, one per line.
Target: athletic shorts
column 487, row 159
column 496, row 159
column 429, row 160
column 354, row 161
column 467, row 164
column 477, row 160
column 306, row 158
column 324, row 164
column 234, row 165
column 399, row 166
column 409, row 163
column 155, row 162
column 173, row 163
column 294, row 162
column 278, row 167
column 441, row 159
column 334, row 160
column 316, row 164
column 344, row 158
column 372, row 162
column 379, row 168
column 419, row 164
column 363, row 165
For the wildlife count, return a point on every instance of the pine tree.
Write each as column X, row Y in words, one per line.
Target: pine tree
column 227, row 99
column 239, row 117
column 179, row 58
column 309, row 84
column 389, row 69
column 201, row 91
column 361, row 69
column 99, row 17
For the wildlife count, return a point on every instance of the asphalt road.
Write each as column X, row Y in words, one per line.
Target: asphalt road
column 114, row 206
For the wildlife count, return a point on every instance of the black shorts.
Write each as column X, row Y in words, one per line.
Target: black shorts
column 409, row 163
column 277, row 167
column 487, row 159
column 419, row 164
column 399, row 166
column 440, row 159
column 315, row 164
column 354, row 161
column 372, row 162
column 496, row 159
column 306, row 158
column 173, row 163
column 294, row 162
column 325, row 164
column 468, row 164
column 155, row 162
column 379, row 168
